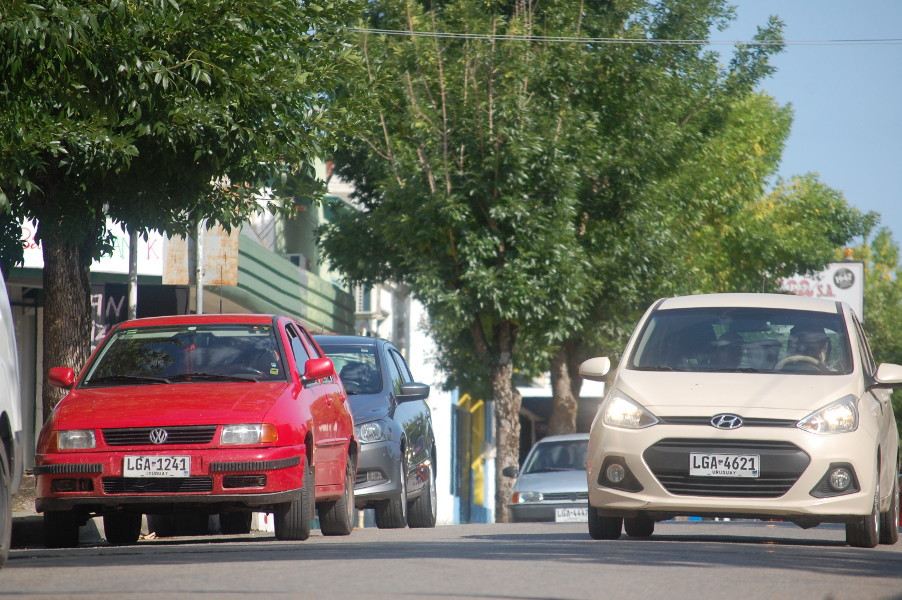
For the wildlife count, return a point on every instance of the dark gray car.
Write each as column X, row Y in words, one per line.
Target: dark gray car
column 396, row 464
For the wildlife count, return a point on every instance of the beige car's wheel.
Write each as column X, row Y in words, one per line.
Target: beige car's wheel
column 889, row 521
column 604, row 528
column 865, row 531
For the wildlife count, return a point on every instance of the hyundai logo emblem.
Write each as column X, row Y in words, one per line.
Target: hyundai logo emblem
column 158, row 436
column 726, row 421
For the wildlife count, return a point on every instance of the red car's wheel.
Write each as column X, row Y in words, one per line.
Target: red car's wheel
column 293, row 520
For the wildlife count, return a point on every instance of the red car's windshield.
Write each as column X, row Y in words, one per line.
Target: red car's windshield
column 188, row 353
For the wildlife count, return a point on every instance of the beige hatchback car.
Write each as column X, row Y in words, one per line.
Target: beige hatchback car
column 746, row 406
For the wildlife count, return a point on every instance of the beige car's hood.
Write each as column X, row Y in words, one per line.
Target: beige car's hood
column 787, row 396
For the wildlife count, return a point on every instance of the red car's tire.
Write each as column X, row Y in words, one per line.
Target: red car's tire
column 293, row 520
column 336, row 517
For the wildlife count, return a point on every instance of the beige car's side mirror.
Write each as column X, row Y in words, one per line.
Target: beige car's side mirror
column 596, row 368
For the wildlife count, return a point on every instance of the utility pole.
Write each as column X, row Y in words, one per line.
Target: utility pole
column 132, row 274
column 199, row 268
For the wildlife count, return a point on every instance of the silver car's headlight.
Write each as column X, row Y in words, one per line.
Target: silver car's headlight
column 372, row 431
column 620, row 410
column 528, row 497
column 75, row 439
column 837, row 417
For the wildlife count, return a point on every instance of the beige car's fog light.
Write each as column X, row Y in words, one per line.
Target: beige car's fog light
column 840, row 479
column 615, row 473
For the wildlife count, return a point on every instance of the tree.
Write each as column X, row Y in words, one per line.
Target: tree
column 493, row 157
column 467, row 183
column 155, row 114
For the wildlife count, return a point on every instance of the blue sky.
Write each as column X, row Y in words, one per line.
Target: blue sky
column 847, row 99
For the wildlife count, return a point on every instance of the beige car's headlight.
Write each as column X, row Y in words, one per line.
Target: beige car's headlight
column 837, row 417
column 620, row 410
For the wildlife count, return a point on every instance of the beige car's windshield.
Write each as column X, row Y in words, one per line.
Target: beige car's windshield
column 743, row 340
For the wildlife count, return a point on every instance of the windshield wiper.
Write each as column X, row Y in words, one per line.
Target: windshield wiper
column 126, row 379
column 661, row 368
column 211, row 377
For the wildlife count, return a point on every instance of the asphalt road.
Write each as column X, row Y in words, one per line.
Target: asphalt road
column 685, row 559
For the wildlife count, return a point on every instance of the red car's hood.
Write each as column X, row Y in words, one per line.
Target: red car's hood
column 167, row 405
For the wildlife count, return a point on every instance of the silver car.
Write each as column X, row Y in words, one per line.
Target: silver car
column 552, row 484
column 396, row 465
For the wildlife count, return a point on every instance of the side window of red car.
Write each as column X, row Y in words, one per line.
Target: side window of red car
column 297, row 347
column 313, row 351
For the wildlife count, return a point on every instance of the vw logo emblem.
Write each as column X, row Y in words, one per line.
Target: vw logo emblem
column 726, row 421
column 158, row 436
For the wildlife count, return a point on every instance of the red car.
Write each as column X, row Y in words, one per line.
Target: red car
column 226, row 414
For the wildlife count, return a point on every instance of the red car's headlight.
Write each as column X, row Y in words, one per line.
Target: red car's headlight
column 249, row 433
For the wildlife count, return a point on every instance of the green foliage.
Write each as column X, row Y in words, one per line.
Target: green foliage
column 131, row 108
column 468, row 178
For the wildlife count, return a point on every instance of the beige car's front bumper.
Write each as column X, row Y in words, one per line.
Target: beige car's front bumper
column 798, row 502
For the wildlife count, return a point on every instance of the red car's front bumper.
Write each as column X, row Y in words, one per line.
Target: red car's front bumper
column 93, row 481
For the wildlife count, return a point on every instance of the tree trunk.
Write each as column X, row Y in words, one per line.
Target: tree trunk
column 565, row 385
column 506, row 401
column 67, row 309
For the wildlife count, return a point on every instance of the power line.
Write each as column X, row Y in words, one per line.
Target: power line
column 624, row 41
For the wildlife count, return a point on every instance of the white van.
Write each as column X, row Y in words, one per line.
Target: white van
column 10, row 422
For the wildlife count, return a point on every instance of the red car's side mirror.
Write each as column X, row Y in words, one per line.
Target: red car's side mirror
column 318, row 368
column 61, row 377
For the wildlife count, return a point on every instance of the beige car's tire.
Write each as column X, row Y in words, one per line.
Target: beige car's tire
column 639, row 526
column 889, row 521
column 864, row 532
column 604, row 528
column 6, row 515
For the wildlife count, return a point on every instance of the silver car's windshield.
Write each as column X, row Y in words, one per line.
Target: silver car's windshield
column 557, row 456
column 188, row 353
column 743, row 340
column 357, row 365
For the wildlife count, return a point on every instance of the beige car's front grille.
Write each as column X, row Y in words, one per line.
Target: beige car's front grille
column 782, row 463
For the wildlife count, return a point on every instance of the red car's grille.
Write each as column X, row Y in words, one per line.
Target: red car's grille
column 145, row 436
column 157, row 485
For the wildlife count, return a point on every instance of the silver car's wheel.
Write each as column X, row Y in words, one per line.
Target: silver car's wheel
column 392, row 513
column 422, row 511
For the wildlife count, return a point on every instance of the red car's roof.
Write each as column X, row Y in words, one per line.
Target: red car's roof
column 199, row 319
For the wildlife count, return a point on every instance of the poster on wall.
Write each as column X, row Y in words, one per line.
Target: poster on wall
column 843, row 281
